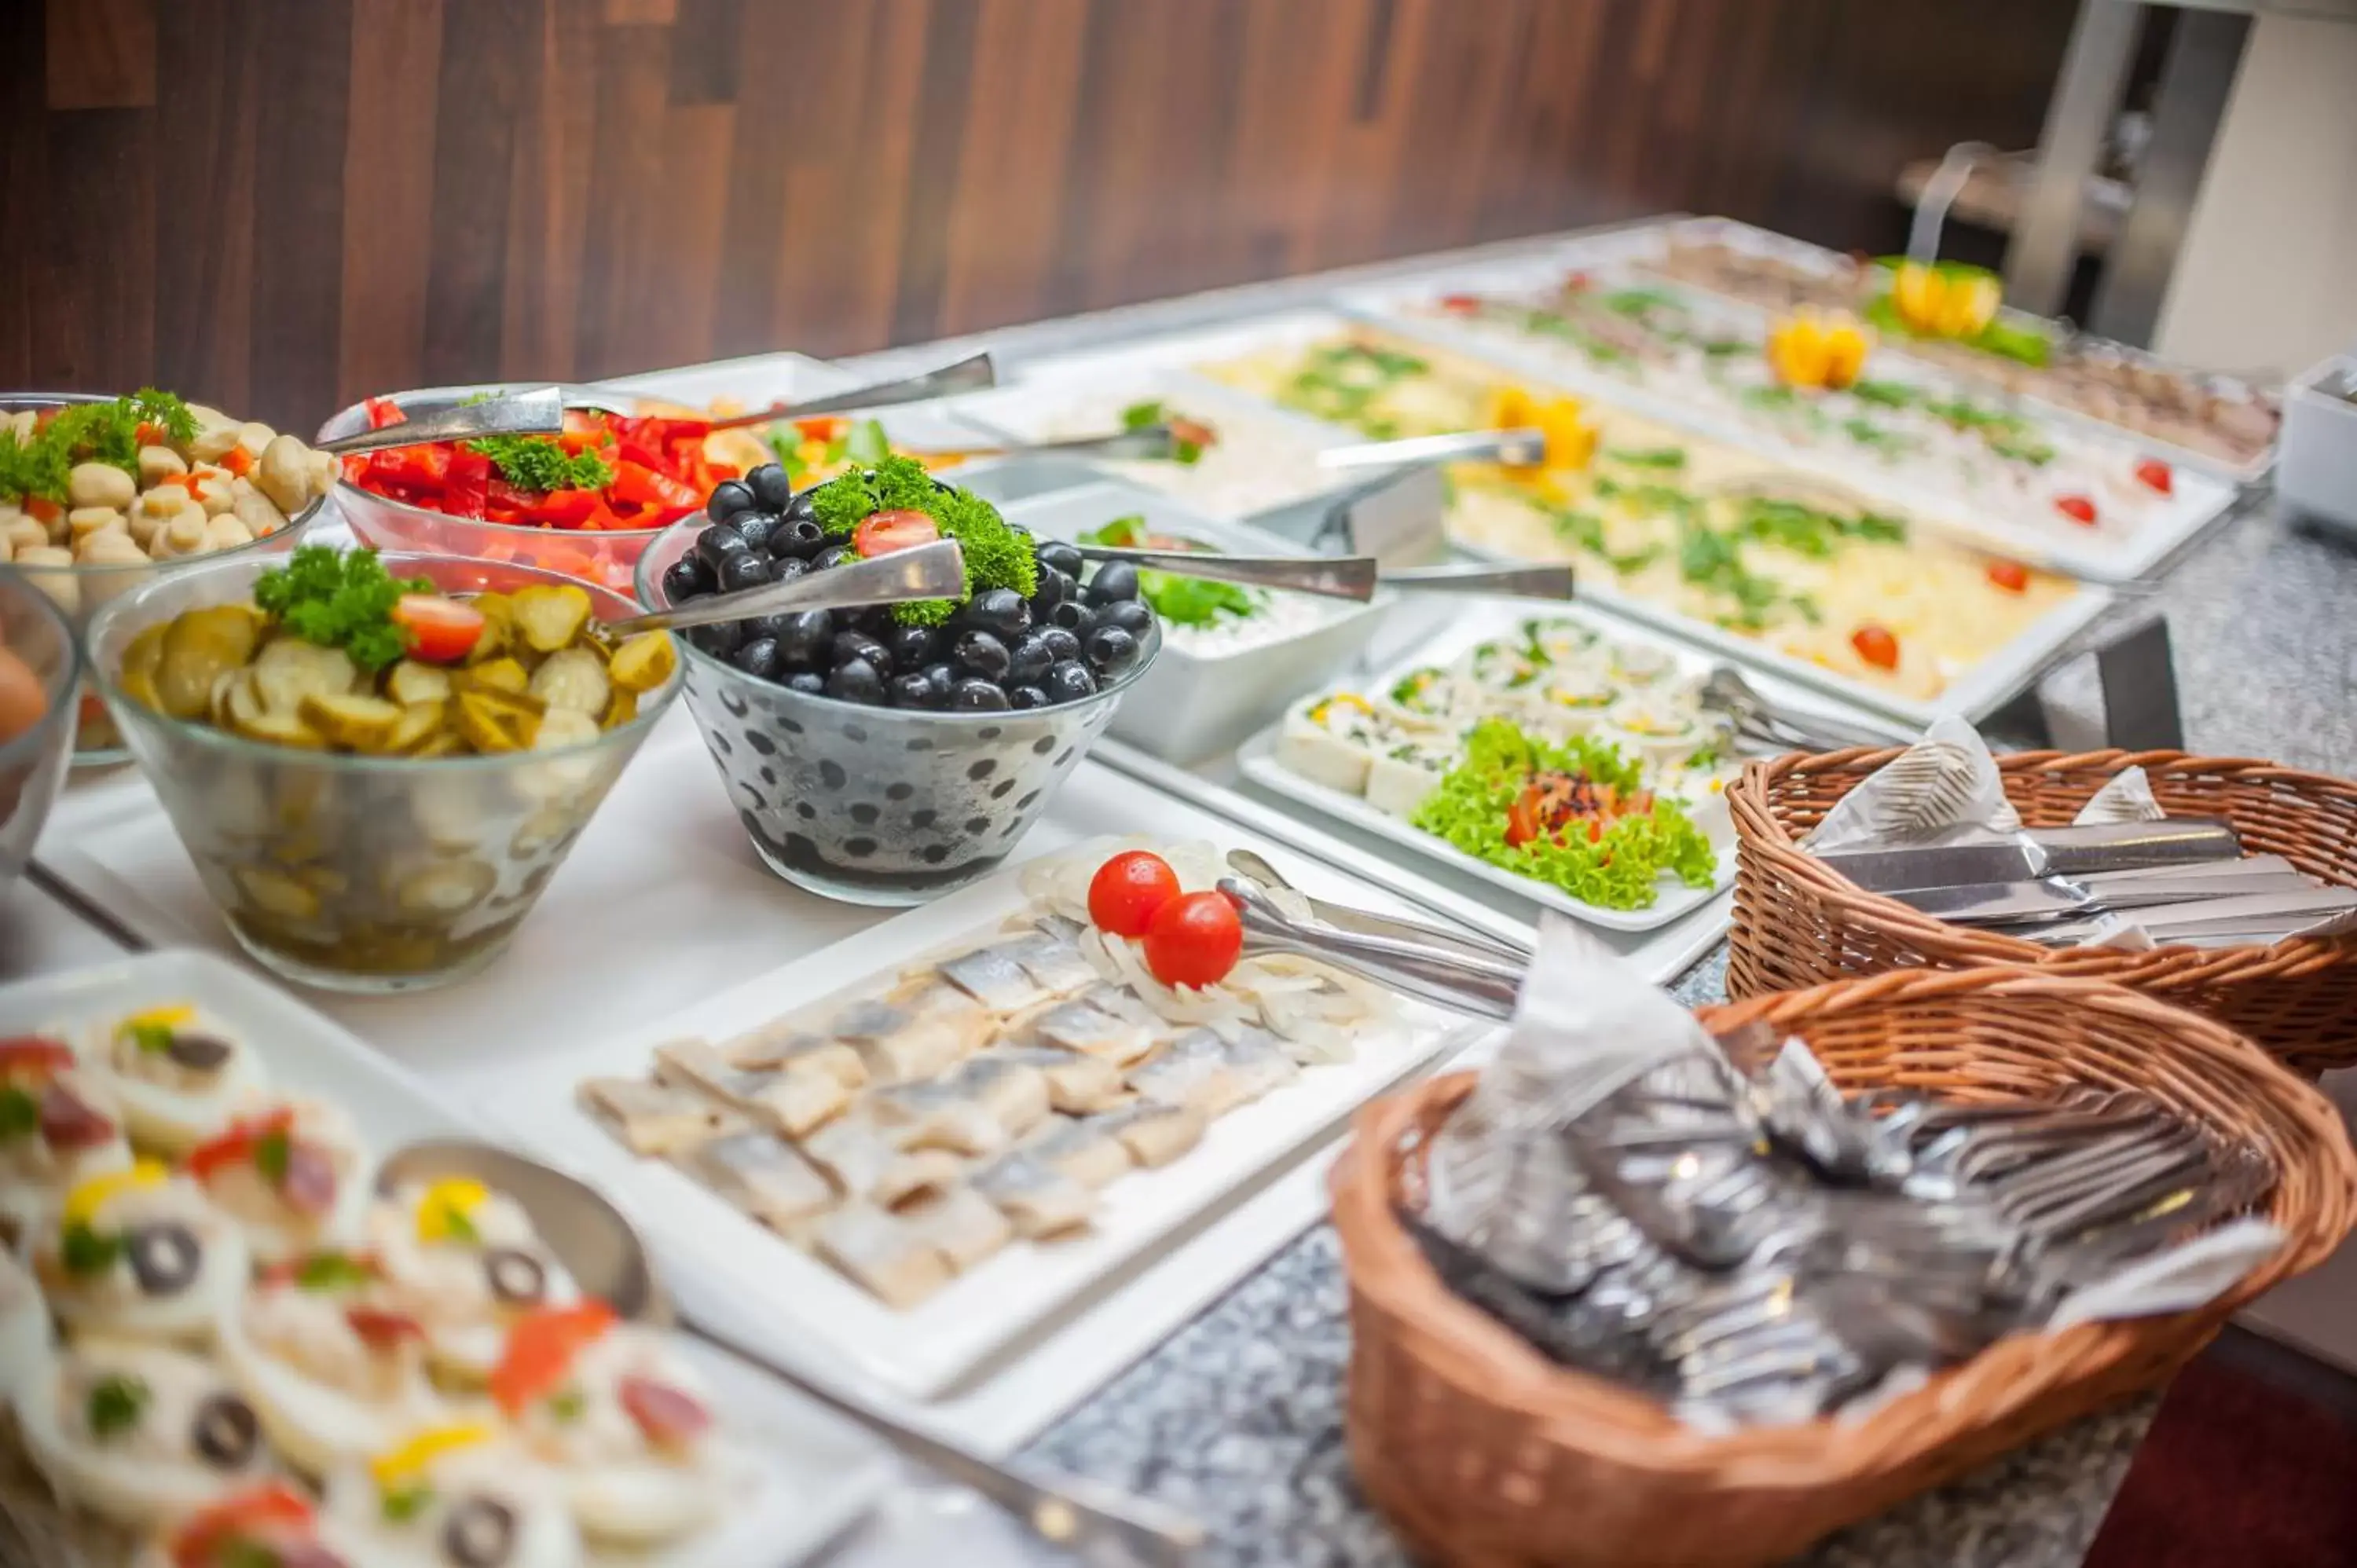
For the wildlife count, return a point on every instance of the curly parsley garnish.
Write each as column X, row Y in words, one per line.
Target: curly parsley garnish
column 110, row 432
column 997, row 555
column 537, row 463
column 339, row 600
column 116, row 1402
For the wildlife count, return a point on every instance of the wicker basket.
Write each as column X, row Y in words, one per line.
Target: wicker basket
column 1482, row 1452
column 1798, row 923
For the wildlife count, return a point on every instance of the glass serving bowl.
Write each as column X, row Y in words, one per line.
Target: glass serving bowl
column 881, row 806
column 82, row 590
column 603, row 557
column 367, row 874
column 33, row 628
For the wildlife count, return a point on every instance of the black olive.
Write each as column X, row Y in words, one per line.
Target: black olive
column 851, row 645
column 981, row 654
column 760, row 658
column 718, row 542
column 944, row 678
column 1000, row 612
column 1028, row 660
column 516, row 1278
column 1069, row 682
column 798, row 538
column 1115, row 580
column 1070, row 614
column 728, row 498
column 479, row 1532
column 976, row 695
column 911, row 646
column 804, row 508
column 770, row 627
column 786, row 568
column 744, row 570
column 769, row 486
column 755, row 529
column 720, row 640
column 1133, row 615
column 225, row 1434
column 197, row 1053
column 1061, row 644
column 914, row 691
column 809, row 682
column 806, row 638
column 165, row 1257
column 682, row 581
column 1026, row 697
column 1065, row 558
column 855, row 681
column 833, row 555
column 1110, row 649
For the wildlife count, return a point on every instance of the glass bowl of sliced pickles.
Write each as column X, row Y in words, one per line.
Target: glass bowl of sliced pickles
column 378, row 763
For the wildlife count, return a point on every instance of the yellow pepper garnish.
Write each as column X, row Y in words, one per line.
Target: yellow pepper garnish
column 1811, row 349
column 447, row 1212
column 171, row 1018
column 397, row 1466
column 1570, row 439
column 88, row 1197
column 1949, row 303
column 1317, row 715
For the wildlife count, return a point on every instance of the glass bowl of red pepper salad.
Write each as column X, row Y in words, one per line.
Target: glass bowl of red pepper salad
column 585, row 503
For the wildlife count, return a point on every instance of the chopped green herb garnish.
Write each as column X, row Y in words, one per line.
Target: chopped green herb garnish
column 1648, row 456
column 155, row 1039
column 866, row 443
column 339, row 600
column 996, row 555
column 1889, row 394
column 116, row 1402
column 1180, row 600
column 333, row 1270
column 85, row 1251
column 1706, row 757
column 272, row 1151
column 538, row 463
column 106, row 433
column 20, row 1113
column 567, row 1406
column 1153, row 411
column 405, row 1503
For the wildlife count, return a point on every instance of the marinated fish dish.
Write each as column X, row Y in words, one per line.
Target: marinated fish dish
column 1710, row 533
column 980, row 1100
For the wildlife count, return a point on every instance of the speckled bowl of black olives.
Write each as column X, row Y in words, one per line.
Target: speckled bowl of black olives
column 890, row 754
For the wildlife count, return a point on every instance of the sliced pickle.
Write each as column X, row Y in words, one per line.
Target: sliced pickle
column 621, row 710
column 273, row 727
column 447, row 887
column 289, row 670
column 497, row 721
column 548, row 617
column 198, row 647
column 420, row 722
column 643, row 661
column 445, row 742
column 141, row 659
column 276, row 893
column 354, row 722
column 411, row 683
column 497, row 675
column 573, row 678
column 499, row 627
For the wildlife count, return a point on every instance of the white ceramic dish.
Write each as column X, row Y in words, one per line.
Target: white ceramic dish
column 1199, row 700
column 924, row 1351
column 816, row 1479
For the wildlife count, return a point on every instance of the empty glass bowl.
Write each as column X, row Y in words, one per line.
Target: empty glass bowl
column 355, row 873
column 39, row 639
column 871, row 805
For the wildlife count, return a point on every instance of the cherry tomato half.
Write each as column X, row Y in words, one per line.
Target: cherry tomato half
column 1127, row 889
column 1195, row 939
column 1876, row 646
column 2010, row 575
column 2078, row 509
column 2155, row 475
column 885, row 531
column 440, row 630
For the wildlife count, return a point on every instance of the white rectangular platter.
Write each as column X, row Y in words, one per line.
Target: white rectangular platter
column 924, row 1350
column 817, row 1477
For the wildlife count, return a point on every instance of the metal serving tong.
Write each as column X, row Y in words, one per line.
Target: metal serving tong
column 1756, row 719
column 540, row 411
column 1522, row 448
column 1437, row 966
column 932, row 571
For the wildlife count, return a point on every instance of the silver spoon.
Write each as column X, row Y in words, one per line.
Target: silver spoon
column 540, row 411
column 603, row 1253
column 930, row 571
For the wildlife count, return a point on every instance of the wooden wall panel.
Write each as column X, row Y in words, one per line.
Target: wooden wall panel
column 286, row 204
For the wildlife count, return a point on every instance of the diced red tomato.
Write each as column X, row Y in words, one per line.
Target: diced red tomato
column 1876, row 646
column 272, row 1513
column 1523, row 819
column 1128, row 889
column 382, row 412
column 2010, row 575
column 540, row 1351
column 1194, row 939
column 669, row 1417
column 440, row 630
column 2155, row 475
column 823, row 427
column 236, row 1146
column 885, row 531
column 35, row 1053
column 1460, row 303
column 2078, row 509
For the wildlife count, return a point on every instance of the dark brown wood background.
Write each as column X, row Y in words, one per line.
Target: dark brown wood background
column 282, row 205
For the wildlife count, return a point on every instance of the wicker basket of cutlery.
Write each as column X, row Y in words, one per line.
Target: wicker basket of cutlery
column 1483, row 1452
column 1798, row 923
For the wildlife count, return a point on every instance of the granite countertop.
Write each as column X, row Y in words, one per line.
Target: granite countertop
column 1239, row 1416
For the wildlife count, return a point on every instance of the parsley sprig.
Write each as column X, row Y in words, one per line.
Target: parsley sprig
column 107, row 433
column 537, row 463
column 339, row 600
column 116, row 1402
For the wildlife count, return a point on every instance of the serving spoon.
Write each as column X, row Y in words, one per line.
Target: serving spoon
column 606, row 1258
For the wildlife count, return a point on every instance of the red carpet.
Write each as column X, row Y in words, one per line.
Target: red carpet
column 2239, row 1469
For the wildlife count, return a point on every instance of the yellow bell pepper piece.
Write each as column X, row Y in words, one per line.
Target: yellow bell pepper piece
column 1943, row 304
column 1811, row 349
column 445, row 1212
column 397, row 1466
column 88, row 1197
column 172, row 1016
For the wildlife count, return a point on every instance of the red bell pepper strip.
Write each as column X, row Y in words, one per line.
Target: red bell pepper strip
column 236, row 1146
column 540, row 1351
column 37, row 1053
column 468, row 483
column 382, row 412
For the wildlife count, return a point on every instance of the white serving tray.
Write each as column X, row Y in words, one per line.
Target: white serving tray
column 924, row 1350
column 818, row 1477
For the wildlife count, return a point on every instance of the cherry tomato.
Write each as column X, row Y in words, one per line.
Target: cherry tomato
column 2155, row 475
column 1194, row 941
column 1127, row 889
column 885, row 531
column 440, row 630
column 1460, row 305
column 2010, row 575
column 237, row 1145
column 1876, row 646
column 37, row 1053
column 1522, row 817
column 380, row 1330
column 2078, row 509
